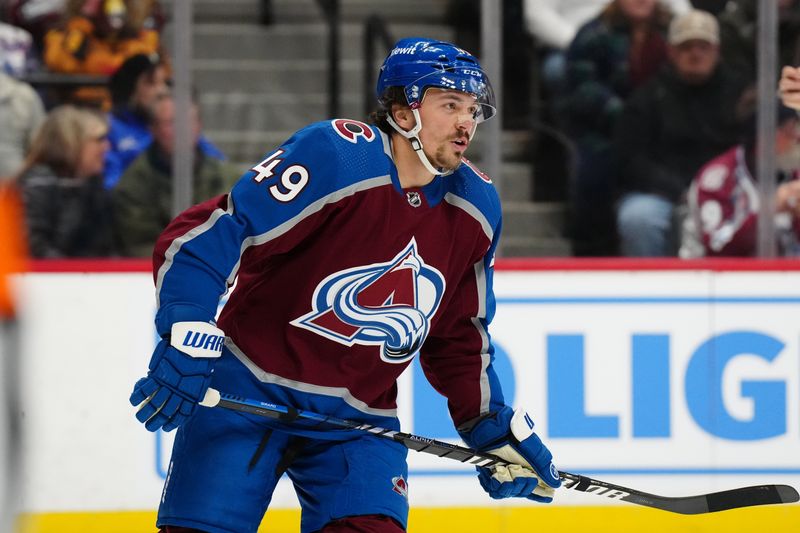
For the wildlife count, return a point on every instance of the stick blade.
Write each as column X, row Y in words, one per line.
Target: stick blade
column 686, row 505
column 750, row 496
column 788, row 494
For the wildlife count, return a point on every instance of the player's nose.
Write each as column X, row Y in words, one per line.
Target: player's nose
column 465, row 121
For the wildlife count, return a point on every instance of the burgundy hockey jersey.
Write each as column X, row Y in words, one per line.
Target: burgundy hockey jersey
column 723, row 202
column 342, row 277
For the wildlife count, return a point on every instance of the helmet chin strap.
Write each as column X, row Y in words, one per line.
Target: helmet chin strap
column 416, row 143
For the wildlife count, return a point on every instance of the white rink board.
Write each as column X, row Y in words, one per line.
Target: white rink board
column 86, row 338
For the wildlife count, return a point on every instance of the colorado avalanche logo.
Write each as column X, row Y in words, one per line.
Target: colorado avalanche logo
column 400, row 486
column 384, row 304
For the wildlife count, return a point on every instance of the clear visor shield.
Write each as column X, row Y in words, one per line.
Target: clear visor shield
column 470, row 80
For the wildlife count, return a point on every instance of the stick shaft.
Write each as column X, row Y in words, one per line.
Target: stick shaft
column 704, row 503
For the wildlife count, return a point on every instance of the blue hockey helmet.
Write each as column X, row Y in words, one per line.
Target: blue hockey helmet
column 416, row 64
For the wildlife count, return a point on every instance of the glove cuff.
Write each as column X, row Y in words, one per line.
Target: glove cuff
column 173, row 313
column 490, row 431
column 521, row 425
column 197, row 339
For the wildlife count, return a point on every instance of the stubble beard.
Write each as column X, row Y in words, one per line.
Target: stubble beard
column 445, row 159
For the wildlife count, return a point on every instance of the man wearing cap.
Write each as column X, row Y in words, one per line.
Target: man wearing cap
column 143, row 195
column 670, row 127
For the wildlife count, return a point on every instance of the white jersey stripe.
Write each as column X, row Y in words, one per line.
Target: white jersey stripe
column 486, row 393
column 338, row 392
column 473, row 211
column 176, row 244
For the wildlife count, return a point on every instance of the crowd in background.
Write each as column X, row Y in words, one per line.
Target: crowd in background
column 91, row 157
column 656, row 99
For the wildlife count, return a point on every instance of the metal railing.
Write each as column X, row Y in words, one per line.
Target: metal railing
column 57, row 88
column 331, row 10
column 45, row 78
column 375, row 28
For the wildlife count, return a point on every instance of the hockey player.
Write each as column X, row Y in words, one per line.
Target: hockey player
column 354, row 248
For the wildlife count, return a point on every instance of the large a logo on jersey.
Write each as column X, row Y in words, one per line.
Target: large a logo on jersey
column 384, row 304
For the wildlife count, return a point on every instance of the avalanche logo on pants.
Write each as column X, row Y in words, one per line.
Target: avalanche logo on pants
column 384, row 304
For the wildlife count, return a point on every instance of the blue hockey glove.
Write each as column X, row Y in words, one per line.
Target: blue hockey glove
column 179, row 375
column 510, row 436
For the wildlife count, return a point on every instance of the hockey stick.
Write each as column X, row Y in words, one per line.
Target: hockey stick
column 703, row 503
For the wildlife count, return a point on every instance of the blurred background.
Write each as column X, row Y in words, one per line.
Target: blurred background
column 647, row 285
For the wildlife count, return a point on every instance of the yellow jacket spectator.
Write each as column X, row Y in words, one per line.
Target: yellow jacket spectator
column 98, row 36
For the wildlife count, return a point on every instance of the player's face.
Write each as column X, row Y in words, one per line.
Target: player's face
column 448, row 119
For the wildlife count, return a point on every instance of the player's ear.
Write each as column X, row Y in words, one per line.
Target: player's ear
column 403, row 116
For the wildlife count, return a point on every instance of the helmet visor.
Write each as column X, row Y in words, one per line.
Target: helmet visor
column 470, row 80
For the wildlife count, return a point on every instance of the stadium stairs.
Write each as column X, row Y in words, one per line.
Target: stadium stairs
column 258, row 83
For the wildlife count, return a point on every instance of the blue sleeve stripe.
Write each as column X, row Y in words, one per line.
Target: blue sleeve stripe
column 473, row 211
column 311, row 209
column 176, row 244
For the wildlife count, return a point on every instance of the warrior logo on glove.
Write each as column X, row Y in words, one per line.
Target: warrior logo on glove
column 196, row 342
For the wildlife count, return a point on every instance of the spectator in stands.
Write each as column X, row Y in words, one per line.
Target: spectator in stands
column 612, row 54
column 135, row 87
column 143, row 197
column 97, row 37
column 554, row 24
column 669, row 129
column 789, row 87
column 738, row 35
column 37, row 17
column 17, row 56
column 67, row 210
column 22, row 111
column 724, row 202
column 715, row 7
